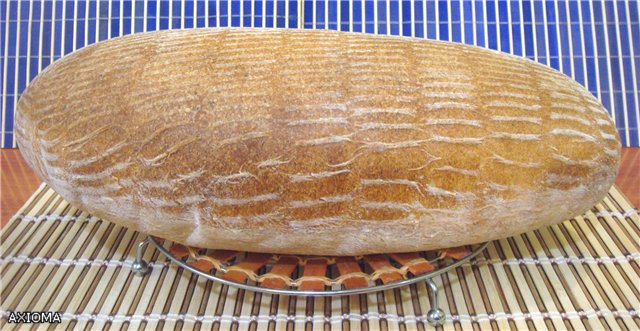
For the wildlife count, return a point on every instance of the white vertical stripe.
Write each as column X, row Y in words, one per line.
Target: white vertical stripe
column 486, row 24
column 170, row 14
column 242, row 12
column 75, row 25
column 121, row 19
column 595, row 52
column 133, row 16
column 326, row 14
column 252, row 14
column 473, row 22
column 16, row 72
column 424, row 18
column 157, row 15
column 609, row 73
column 339, row 14
column 275, row 13
column 522, row 40
column 388, row 17
column 623, row 85
column 64, row 29
column 633, row 72
column 509, row 27
column 438, row 20
column 413, row 19
column 546, row 33
column 110, row 12
column 264, row 13
column 375, row 16
column 462, row 23
column 229, row 13
column 558, row 39
column 40, row 36
column 182, row 14
column 400, row 18
column 287, row 13
column 449, row 21
column 351, row 17
column 569, row 28
column 144, row 15
column 218, row 13
column 28, row 71
column 534, row 28
column 363, row 16
column 53, row 32
column 4, row 73
column 498, row 30
column 314, row 22
column 301, row 14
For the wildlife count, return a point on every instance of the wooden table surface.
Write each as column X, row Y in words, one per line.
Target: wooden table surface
column 17, row 181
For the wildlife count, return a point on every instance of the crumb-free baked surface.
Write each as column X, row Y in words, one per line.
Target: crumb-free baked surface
column 315, row 142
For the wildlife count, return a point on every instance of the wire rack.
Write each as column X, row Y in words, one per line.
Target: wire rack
column 314, row 275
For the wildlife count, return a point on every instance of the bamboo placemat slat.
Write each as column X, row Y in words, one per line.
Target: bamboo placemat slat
column 580, row 274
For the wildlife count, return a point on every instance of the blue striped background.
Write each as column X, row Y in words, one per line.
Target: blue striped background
column 595, row 42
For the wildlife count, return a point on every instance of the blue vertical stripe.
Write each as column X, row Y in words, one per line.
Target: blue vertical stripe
column 443, row 18
column 81, row 24
column 589, row 53
column 139, row 16
column 46, row 34
column 456, row 29
column 516, row 19
column 504, row 25
column 68, row 28
column 370, row 16
column 529, row 25
column 394, row 17
column 540, row 35
column 492, row 28
column 358, row 20
column 564, row 38
column 468, row 21
column 382, row 17
column 35, row 40
column 127, row 12
column 552, row 36
column 406, row 18
column 578, row 51
column 431, row 20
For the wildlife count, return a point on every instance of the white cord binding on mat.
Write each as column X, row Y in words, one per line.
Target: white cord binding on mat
column 624, row 214
column 562, row 260
column 40, row 218
column 75, row 262
column 529, row 261
column 482, row 317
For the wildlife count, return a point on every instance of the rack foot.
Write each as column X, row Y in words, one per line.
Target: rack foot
column 435, row 316
column 140, row 267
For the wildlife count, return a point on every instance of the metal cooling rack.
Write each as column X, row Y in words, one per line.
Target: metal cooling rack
column 435, row 316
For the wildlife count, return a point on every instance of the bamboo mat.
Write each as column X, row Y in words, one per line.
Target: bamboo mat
column 581, row 274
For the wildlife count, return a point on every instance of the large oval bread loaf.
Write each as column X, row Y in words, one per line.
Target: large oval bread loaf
column 315, row 142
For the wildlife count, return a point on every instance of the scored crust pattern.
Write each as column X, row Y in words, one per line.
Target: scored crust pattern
column 218, row 138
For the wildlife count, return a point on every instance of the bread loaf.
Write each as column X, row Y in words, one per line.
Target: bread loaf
column 315, row 142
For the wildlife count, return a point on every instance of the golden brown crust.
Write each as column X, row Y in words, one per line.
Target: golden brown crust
column 315, row 142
